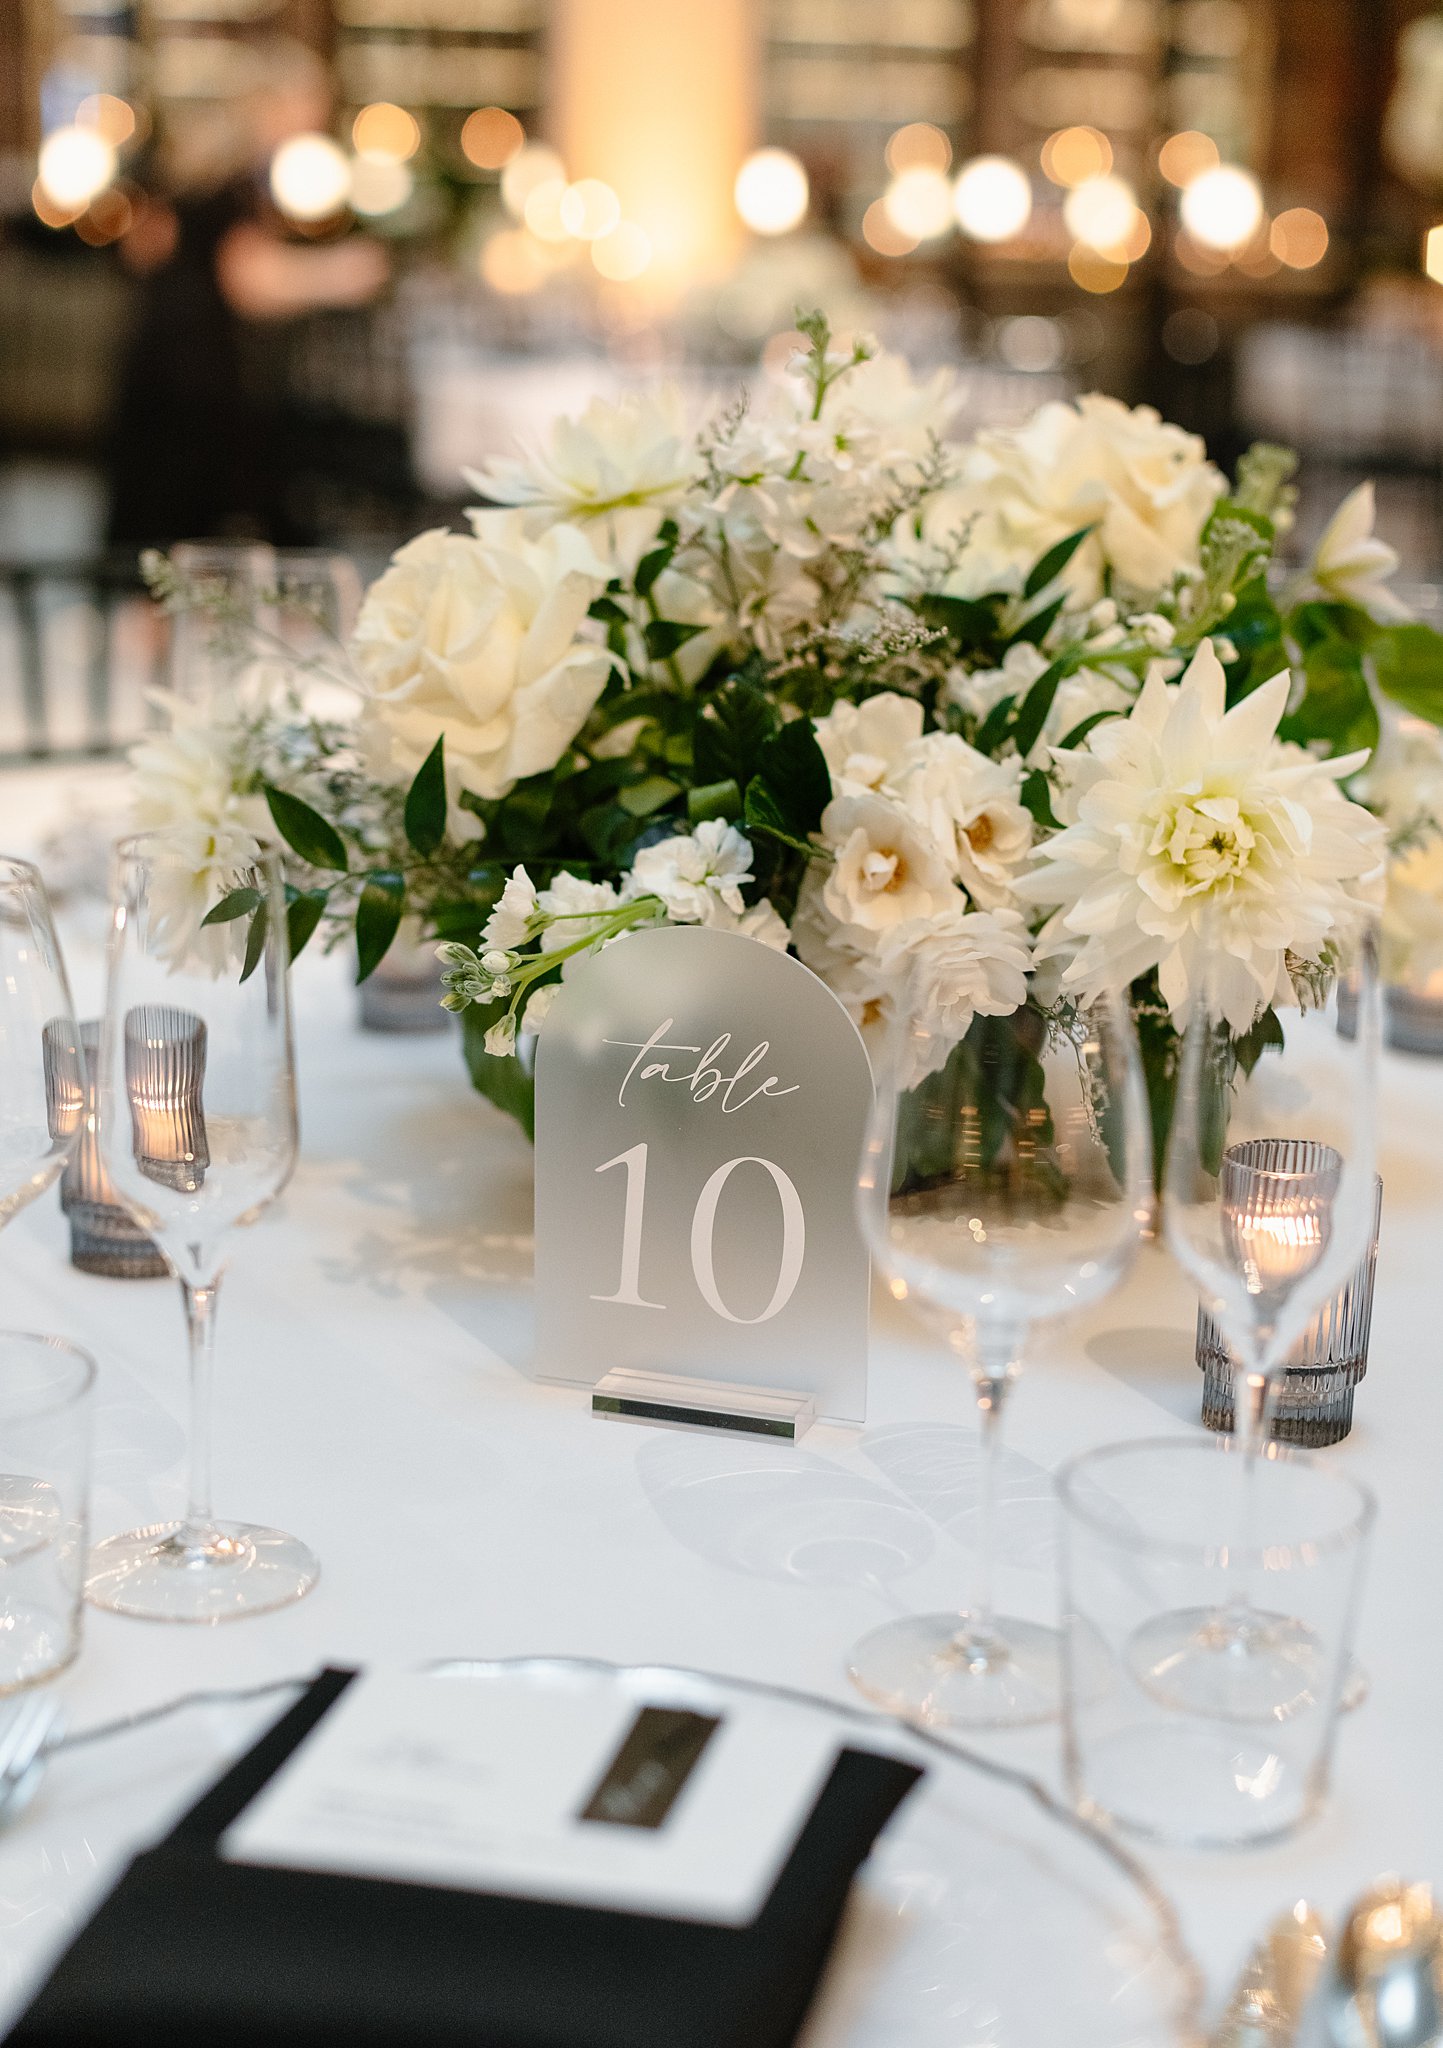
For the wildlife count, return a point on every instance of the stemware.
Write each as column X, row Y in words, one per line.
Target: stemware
column 198, row 1134
column 1004, row 1179
column 42, row 1074
column 212, row 634
column 1268, row 1204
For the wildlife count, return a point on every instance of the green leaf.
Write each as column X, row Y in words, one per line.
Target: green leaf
column 1054, row 562
column 762, row 815
column 1408, row 662
column 305, row 831
column 255, row 942
column 642, row 798
column 1036, row 628
column 520, row 823
column 425, row 813
column 735, row 724
column 651, row 565
column 610, row 832
column 239, row 903
column 1337, row 705
column 664, row 636
column 1249, row 1049
column 1036, row 794
column 502, row 1080
column 993, row 729
column 972, row 622
column 714, row 800
column 303, row 913
column 378, row 916
column 794, row 773
column 1032, row 714
column 1084, row 726
column 608, row 609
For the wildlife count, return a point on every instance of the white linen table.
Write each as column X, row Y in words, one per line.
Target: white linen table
column 369, row 1399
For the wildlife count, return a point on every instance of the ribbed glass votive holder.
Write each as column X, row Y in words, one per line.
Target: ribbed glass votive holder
column 1314, row 1404
column 104, row 1237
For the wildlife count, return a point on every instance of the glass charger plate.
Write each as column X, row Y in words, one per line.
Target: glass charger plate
column 988, row 1916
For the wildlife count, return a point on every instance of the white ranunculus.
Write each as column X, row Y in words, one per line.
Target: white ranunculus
column 866, row 745
column 694, row 871
column 1190, row 828
column 1144, row 485
column 1350, row 564
column 484, row 640
column 185, row 784
column 887, row 869
column 969, row 805
column 615, row 469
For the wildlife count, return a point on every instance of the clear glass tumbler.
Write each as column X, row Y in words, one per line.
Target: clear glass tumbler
column 1143, row 1537
column 45, row 1390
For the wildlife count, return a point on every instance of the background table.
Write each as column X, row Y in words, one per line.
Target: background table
column 371, row 1397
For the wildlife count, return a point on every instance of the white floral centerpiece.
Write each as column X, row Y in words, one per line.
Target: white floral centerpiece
column 928, row 714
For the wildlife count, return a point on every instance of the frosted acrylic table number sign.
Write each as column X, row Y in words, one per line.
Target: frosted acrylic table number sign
column 700, row 1104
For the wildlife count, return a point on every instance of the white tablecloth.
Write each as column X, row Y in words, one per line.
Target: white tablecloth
column 369, row 1398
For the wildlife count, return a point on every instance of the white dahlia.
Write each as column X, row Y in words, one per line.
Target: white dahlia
column 1192, row 830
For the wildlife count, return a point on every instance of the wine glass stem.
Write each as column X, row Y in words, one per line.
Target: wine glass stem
column 198, row 1529
column 992, row 1378
column 1252, row 1403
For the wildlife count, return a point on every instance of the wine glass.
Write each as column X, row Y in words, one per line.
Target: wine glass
column 42, row 1096
column 1004, row 1179
column 212, row 634
column 197, row 1129
column 1268, row 1205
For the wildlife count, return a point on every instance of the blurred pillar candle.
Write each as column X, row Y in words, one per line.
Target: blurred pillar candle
column 658, row 100
column 104, row 1237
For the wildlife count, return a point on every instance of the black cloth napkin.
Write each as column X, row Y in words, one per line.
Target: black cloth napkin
column 189, row 1951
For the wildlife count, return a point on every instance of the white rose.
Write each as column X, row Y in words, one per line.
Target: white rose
column 887, row 870
column 969, row 806
column 965, row 965
column 481, row 639
column 866, row 744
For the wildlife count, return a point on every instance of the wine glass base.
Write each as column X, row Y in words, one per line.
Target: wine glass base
column 1249, row 1665
column 930, row 1668
column 164, row 1574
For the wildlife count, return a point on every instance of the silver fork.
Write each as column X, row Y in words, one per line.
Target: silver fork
column 27, row 1726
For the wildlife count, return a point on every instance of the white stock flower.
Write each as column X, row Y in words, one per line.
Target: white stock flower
column 576, row 903
column 1350, row 564
column 615, row 469
column 482, row 640
column 887, row 869
column 1193, row 831
column 538, row 1006
column 969, row 806
column 185, row 786
column 865, row 745
column 509, row 924
column 694, row 871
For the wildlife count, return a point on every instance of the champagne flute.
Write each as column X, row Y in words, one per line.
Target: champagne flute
column 198, row 1133
column 1004, row 1179
column 42, row 1096
column 1268, row 1206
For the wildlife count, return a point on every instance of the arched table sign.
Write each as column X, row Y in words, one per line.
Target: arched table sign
column 700, row 1107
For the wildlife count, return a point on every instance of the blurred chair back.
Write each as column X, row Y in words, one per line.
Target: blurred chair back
column 80, row 647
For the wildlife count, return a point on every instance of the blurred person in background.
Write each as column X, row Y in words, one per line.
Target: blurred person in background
column 199, row 443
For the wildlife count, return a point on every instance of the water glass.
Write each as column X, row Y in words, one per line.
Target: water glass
column 45, row 1390
column 1143, row 1543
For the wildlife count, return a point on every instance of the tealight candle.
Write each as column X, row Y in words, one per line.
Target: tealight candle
column 164, row 1078
column 104, row 1237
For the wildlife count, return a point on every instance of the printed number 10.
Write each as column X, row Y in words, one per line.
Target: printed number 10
column 703, row 1232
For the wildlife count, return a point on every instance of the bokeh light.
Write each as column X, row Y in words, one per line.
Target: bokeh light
column 1030, row 342
column 380, row 185
column 771, row 191
column 385, row 133
column 919, row 203
column 1433, row 254
column 531, row 165
column 1101, row 211
column 622, row 254
column 1073, row 155
column 1190, row 336
column 48, row 213
column 992, row 198
column 108, row 217
column 1299, row 238
column 918, row 147
column 1222, row 208
column 542, row 211
column 491, row 137
column 75, row 163
column 1093, row 271
column 589, row 209
column 1194, row 256
column 310, row 178
column 1186, row 156
column 513, row 262
column 881, row 232
column 111, row 118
